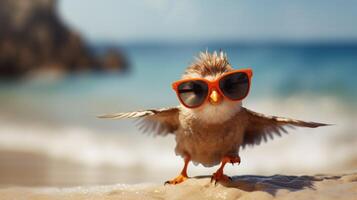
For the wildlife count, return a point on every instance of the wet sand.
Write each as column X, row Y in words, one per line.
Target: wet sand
column 342, row 187
column 31, row 169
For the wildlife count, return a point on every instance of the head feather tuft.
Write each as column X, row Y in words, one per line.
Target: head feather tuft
column 209, row 64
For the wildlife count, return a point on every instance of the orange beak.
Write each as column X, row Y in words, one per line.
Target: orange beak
column 215, row 97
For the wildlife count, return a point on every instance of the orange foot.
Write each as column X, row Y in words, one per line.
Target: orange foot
column 219, row 176
column 183, row 175
column 179, row 179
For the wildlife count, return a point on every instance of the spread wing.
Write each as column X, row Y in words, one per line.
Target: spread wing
column 159, row 121
column 260, row 127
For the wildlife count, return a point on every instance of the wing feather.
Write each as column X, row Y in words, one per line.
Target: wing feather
column 159, row 121
column 260, row 127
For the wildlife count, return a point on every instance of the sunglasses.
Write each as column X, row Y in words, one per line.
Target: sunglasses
column 233, row 85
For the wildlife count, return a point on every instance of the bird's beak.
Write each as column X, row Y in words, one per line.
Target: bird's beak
column 215, row 97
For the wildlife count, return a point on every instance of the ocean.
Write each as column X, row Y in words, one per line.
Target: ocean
column 56, row 118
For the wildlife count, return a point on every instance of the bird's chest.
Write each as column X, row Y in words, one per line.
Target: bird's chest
column 208, row 141
column 208, row 135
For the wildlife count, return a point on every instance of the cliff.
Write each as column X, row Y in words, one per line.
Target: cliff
column 33, row 38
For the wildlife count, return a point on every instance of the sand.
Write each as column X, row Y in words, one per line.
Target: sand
column 342, row 187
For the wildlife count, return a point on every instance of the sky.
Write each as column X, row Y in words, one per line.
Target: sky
column 212, row 20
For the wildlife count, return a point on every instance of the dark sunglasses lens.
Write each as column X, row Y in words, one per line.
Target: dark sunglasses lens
column 235, row 86
column 193, row 93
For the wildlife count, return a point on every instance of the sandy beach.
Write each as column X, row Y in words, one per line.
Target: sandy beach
column 342, row 187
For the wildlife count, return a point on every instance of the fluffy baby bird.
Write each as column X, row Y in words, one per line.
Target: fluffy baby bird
column 210, row 124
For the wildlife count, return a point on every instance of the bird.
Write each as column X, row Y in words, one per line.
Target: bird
column 210, row 124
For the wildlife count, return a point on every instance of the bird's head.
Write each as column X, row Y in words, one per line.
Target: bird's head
column 211, row 90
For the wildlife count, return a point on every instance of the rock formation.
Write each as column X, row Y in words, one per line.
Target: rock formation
column 33, row 38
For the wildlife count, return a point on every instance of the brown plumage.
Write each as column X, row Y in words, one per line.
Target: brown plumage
column 211, row 134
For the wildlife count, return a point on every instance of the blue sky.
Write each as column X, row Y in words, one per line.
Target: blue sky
column 200, row 20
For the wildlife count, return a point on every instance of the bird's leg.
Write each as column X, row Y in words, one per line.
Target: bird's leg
column 183, row 175
column 219, row 175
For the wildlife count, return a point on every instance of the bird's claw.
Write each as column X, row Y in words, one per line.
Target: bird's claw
column 215, row 181
column 218, row 176
column 176, row 180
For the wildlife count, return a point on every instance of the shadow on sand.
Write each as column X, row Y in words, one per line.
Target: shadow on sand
column 271, row 184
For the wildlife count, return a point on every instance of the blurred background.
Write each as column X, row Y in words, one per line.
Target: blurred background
column 62, row 62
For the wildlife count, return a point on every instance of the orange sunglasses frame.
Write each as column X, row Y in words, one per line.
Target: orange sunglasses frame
column 213, row 85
